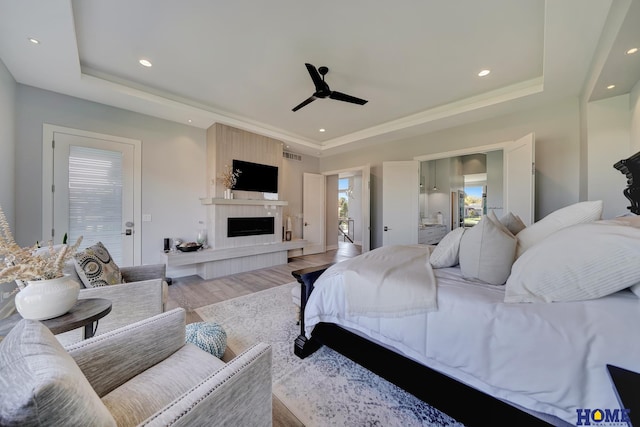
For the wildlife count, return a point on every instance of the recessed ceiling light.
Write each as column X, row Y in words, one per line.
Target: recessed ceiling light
column 484, row 73
column 34, row 41
column 321, row 130
column 611, row 86
column 189, row 120
column 632, row 51
column 145, row 62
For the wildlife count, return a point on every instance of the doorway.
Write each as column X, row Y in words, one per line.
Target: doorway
column 91, row 188
column 348, row 209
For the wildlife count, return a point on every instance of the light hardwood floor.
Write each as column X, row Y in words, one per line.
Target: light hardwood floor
column 192, row 292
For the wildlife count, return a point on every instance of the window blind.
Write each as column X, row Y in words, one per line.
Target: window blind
column 95, row 198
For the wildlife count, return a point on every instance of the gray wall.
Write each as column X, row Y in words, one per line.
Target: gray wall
column 557, row 134
column 7, row 144
column 609, row 141
column 292, row 173
column 7, row 169
column 173, row 165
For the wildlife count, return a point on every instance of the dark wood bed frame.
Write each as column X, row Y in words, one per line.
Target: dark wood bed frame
column 463, row 403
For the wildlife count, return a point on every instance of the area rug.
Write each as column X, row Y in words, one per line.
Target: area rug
column 326, row 388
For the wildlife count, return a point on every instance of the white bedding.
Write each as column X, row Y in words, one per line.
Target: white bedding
column 546, row 357
column 391, row 281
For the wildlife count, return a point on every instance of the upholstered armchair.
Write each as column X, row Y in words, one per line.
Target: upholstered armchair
column 144, row 294
column 141, row 374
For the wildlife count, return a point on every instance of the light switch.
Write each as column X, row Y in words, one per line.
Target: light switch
column 146, row 217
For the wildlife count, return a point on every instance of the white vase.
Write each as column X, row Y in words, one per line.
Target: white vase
column 46, row 299
column 227, row 194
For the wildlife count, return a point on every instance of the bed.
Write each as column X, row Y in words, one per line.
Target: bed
column 527, row 340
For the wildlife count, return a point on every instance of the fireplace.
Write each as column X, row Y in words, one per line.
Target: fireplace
column 250, row 226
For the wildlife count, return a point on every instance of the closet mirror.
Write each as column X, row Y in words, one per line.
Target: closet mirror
column 456, row 191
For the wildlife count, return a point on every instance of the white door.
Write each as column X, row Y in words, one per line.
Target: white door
column 93, row 185
column 519, row 178
column 366, row 209
column 314, row 213
column 400, row 193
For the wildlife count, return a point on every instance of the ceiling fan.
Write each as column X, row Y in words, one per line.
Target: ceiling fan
column 323, row 91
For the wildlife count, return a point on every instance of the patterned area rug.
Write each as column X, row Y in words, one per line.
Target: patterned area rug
column 326, row 388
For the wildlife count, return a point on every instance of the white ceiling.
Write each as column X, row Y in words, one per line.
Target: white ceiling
column 242, row 63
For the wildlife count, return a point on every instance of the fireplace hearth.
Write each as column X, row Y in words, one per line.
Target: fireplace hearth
column 250, row 226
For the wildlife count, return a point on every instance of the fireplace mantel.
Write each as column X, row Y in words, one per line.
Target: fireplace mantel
column 249, row 202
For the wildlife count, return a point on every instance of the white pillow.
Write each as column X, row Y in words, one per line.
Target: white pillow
column 581, row 262
column 513, row 223
column 445, row 253
column 574, row 214
column 487, row 251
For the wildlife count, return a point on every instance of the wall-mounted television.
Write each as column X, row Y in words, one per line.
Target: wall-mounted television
column 256, row 177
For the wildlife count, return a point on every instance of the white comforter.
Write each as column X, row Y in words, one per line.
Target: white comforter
column 546, row 357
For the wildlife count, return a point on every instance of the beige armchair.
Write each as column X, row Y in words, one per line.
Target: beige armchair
column 141, row 374
column 144, row 294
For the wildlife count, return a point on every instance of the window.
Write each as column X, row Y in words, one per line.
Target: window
column 343, row 197
column 473, row 204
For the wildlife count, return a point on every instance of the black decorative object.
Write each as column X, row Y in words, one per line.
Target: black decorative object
column 189, row 247
column 631, row 168
column 323, row 91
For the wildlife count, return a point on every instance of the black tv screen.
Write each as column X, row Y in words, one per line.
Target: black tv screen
column 256, row 177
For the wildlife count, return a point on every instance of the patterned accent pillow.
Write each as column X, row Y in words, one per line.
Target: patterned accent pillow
column 209, row 336
column 96, row 267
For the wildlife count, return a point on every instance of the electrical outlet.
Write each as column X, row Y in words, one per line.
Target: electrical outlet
column 146, row 217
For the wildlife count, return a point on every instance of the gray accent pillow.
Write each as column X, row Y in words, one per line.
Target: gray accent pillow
column 40, row 383
column 513, row 223
column 487, row 252
column 96, row 268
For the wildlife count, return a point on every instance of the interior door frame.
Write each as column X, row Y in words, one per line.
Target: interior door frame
column 365, row 198
column 48, row 131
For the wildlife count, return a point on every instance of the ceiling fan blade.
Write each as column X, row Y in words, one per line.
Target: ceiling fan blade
column 347, row 98
column 315, row 76
column 303, row 103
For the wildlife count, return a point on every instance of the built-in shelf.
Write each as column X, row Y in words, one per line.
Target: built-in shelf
column 218, row 262
column 250, row 202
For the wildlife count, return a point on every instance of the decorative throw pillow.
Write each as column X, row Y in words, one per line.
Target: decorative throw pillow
column 581, row 262
column 445, row 254
column 513, row 223
column 41, row 383
column 487, row 251
column 96, row 267
column 574, row 214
